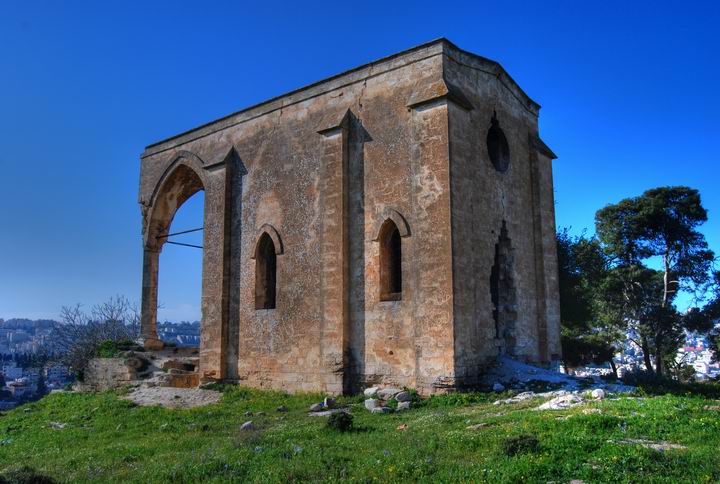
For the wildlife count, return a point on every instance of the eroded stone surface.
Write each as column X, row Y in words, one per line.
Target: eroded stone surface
column 316, row 174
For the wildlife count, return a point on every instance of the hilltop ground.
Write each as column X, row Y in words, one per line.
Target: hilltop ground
column 452, row 438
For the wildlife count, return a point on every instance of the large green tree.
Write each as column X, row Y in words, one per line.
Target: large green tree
column 711, row 311
column 586, row 336
column 660, row 224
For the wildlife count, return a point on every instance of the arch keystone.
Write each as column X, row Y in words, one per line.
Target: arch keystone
column 274, row 235
column 396, row 217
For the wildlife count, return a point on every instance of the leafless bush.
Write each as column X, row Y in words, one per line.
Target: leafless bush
column 79, row 336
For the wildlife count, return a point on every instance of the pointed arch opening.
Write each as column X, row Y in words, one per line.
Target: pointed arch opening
column 265, row 273
column 181, row 182
column 503, row 294
column 497, row 146
column 180, row 275
column 390, row 262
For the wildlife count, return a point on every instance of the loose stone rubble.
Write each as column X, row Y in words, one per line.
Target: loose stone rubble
column 562, row 402
column 378, row 399
column 559, row 399
column 510, row 373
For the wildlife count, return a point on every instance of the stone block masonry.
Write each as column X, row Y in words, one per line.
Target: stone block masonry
column 390, row 225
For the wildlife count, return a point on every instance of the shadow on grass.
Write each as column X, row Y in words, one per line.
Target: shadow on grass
column 653, row 385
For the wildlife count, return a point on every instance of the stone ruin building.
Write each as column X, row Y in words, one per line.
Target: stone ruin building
column 393, row 224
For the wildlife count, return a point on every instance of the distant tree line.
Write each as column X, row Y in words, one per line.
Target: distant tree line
column 625, row 280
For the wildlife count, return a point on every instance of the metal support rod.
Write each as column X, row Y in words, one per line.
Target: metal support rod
column 185, row 245
column 179, row 233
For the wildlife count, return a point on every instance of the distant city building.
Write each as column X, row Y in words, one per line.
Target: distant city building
column 11, row 371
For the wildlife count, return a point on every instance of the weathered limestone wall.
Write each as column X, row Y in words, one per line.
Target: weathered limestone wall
column 319, row 170
column 322, row 172
column 106, row 373
column 482, row 198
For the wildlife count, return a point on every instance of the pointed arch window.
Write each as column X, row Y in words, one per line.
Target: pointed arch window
column 497, row 146
column 265, row 273
column 390, row 262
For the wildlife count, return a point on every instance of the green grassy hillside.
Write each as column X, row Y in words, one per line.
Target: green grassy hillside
column 97, row 437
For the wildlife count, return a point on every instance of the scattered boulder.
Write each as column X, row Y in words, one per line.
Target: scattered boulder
column 58, row 425
column 371, row 392
column 598, row 394
column 282, row 408
column 247, row 426
column 371, row 403
column 403, row 406
column 711, row 407
column 248, row 414
column 498, row 387
column 388, row 393
column 329, row 402
column 403, row 397
column 316, row 407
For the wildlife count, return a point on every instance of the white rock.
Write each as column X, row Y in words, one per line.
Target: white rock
column 561, row 403
column 326, row 413
column 388, row 393
column 371, row 392
column 247, row 425
column 598, row 394
column 381, row 410
column 498, row 387
column 371, row 403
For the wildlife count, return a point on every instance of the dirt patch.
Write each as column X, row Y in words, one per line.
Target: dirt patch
column 169, row 397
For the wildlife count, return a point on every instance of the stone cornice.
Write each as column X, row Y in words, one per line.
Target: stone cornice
column 421, row 52
column 442, row 89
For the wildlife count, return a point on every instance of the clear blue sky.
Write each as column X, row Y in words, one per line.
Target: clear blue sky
column 628, row 91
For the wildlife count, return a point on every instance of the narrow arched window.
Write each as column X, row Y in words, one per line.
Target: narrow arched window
column 265, row 273
column 497, row 146
column 390, row 262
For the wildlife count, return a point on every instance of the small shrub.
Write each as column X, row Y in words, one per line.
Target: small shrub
column 340, row 421
column 216, row 386
column 107, row 349
column 520, row 444
column 25, row 475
